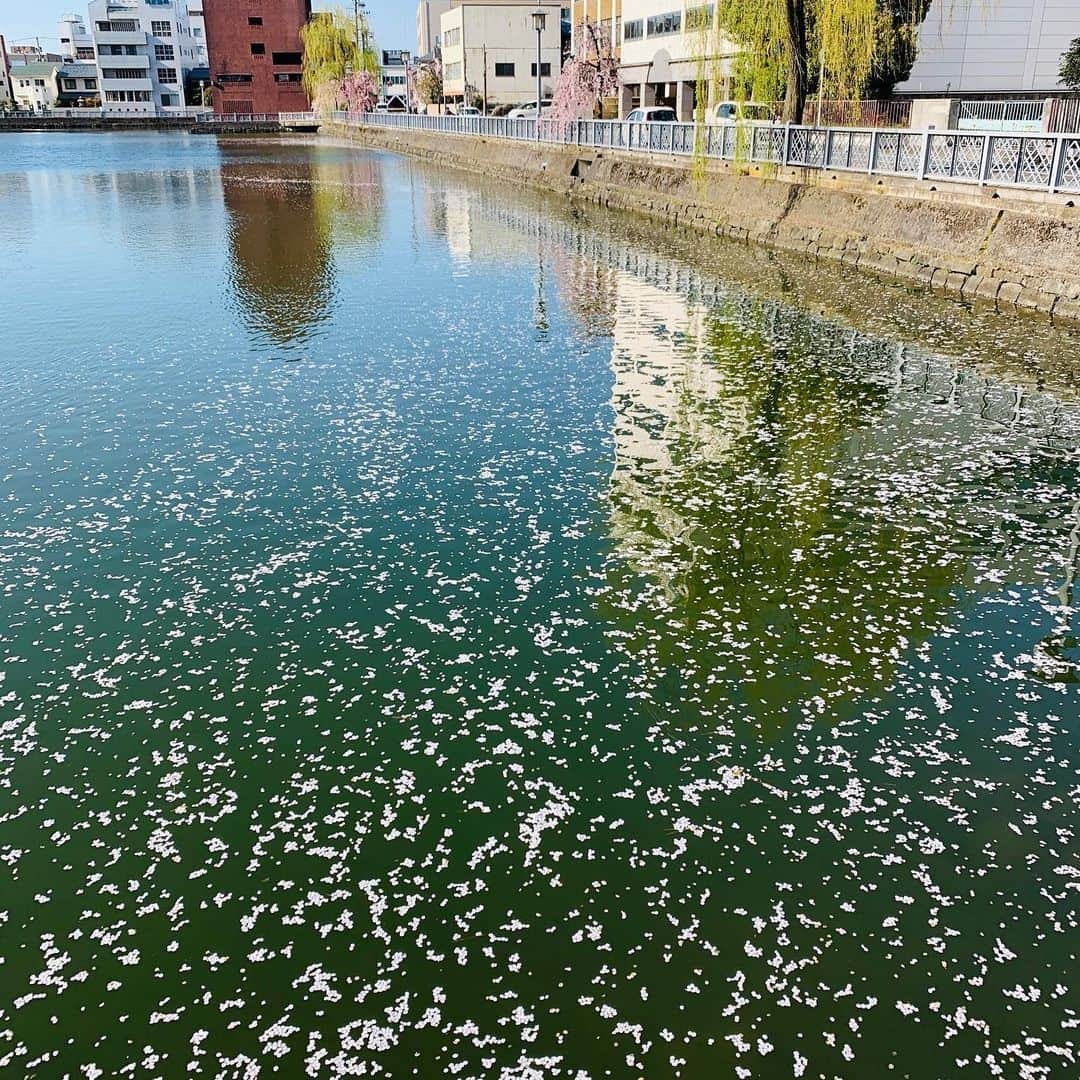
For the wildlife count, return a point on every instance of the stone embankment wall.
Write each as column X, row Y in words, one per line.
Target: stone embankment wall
column 94, row 123
column 136, row 123
column 1014, row 249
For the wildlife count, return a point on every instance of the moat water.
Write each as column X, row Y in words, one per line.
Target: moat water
column 445, row 633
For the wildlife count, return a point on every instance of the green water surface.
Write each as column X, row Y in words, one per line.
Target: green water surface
column 446, row 634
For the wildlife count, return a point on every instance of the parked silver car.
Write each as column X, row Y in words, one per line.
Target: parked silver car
column 528, row 112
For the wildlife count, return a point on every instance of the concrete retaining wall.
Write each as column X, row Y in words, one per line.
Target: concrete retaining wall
column 1013, row 249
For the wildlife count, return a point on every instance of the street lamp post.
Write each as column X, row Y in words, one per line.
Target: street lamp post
column 539, row 18
column 406, row 56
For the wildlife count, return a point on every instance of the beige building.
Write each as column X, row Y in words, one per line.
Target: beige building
column 667, row 46
column 489, row 50
column 429, row 14
column 605, row 13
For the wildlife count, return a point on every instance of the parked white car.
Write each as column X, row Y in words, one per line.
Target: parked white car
column 727, row 111
column 658, row 115
column 468, row 110
column 528, row 112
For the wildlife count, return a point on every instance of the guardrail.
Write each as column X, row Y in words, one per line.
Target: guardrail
column 1043, row 162
column 1000, row 115
column 106, row 113
column 240, row 118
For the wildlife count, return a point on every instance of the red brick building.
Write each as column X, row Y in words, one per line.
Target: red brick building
column 256, row 54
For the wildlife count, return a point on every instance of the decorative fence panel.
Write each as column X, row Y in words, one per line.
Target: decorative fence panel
column 1045, row 162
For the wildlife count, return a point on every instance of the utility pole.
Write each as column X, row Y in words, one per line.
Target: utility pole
column 360, row 18
column 485, row 80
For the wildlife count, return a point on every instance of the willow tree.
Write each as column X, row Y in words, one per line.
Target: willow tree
column 784, row 47
column 336, row 46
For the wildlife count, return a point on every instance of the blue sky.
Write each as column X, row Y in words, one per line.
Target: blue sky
column 394, row 20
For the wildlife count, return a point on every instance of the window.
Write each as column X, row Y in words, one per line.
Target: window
column 452, row 37
column 700, row 18
column 127, row 95
column 258, row 48
column 39, row 82
column 70, row 84
column 545, row 70
column 453, row 72
column 504, row 71
column 84, row 52
column 671, row 23
column 287, row 77
column 90, row 84
column 634, row 31
column 164, row 52
column 254, row 20
column 170, row 100
column 161, row 29
column 118, row 26
column 124, row 73
column 166, row 74
column 290, row 59
column 234, row 78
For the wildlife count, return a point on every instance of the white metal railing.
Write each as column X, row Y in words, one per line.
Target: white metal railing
column 98, row 112
column 1044, row 162
column 1000, row 115
column 200, row 116
column 240, row 118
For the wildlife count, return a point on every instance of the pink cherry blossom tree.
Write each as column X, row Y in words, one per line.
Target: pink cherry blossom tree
column 588, row 77
column 359, row 92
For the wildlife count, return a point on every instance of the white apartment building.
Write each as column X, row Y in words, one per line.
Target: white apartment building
column 489, row 49
column 1004, row 47
column 665, row 50
column 76, row 42
column 145, row 54
column 34, row 86
column 197, row 24
column 429, row 14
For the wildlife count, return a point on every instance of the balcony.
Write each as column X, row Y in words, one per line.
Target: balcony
column 127, row 63
column 115, row 37
column 126, row 84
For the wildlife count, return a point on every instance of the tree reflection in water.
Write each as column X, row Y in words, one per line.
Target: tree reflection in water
column 285, row 223
column 793, row 512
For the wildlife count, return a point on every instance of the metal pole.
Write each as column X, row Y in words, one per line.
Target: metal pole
column 539, row 81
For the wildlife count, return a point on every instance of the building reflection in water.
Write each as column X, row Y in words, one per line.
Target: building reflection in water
column 793, row 507
column 793, row 512
column 286, row 222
